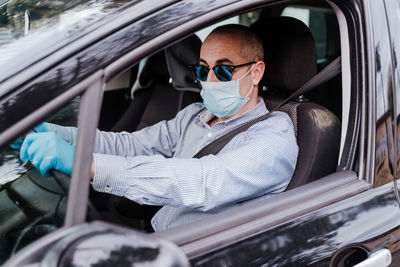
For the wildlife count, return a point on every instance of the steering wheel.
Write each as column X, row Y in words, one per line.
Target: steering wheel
column 48, row 215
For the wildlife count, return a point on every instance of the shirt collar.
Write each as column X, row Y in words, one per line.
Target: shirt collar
column 257, row 111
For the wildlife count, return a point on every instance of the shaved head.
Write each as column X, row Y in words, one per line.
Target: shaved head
column 251, row 48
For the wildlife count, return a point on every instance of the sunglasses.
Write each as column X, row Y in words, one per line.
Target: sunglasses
column 222, row 72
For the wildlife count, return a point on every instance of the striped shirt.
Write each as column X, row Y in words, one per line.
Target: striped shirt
column 155, row 166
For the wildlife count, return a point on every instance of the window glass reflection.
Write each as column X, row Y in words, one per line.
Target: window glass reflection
column 393, row 12
column 384, row 160
column 25, row 24
column 31, row 205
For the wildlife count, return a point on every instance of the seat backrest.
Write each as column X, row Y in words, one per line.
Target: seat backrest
column 290, row 59
column 164, row 86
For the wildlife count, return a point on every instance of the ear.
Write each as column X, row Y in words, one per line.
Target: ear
column 257, row 72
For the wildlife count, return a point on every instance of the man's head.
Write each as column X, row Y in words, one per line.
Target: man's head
column 233, row 45
column 251, row 47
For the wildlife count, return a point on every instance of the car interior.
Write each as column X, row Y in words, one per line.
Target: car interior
column 300, row 39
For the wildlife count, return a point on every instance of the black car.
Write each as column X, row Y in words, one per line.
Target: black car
column 123, row 65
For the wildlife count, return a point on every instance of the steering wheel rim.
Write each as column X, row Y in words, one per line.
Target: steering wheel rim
column 49, row 220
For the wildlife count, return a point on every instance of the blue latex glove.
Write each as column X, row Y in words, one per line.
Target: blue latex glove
column 48, row 151
column 42, row 127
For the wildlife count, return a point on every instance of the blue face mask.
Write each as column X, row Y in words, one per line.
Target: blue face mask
column 223, row 98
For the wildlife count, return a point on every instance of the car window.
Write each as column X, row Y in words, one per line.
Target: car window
column 169, row 98
column 157, row 95
column 31, row 205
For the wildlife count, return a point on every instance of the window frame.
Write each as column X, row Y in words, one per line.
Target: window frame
column 217, row 231
column 89, row 114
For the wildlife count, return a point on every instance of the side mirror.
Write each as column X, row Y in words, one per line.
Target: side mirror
column 100, row 244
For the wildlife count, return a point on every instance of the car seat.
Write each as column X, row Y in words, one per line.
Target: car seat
column 116, row 100
column 290, row 59
column 164, row 86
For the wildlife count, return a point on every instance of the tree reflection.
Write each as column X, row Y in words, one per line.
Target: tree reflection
column 43, row 12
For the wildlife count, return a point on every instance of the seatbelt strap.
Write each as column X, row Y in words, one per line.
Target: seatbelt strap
column 330, row 71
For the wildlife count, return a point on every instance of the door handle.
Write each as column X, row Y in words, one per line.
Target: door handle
column 382, row 257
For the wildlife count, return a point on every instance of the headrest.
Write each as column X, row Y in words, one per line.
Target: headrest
column 154, row 67
column 289, row 52
column 179, row 57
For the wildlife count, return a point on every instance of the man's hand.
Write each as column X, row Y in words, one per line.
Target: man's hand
column 48, row 151
column 41, row 128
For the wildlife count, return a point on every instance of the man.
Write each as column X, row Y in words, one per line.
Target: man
column 155, row 166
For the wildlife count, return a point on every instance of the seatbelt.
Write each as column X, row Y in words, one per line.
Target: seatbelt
column 330, row 71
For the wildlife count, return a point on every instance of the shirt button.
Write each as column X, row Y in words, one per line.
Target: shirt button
column 209, row 134
column 107, row 189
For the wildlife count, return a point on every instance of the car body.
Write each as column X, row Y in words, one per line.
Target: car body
column 346, row 217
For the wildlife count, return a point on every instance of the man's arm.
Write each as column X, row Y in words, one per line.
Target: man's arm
column 46, row 149
column 160, row 138
column 252, row 164
column 157, row 139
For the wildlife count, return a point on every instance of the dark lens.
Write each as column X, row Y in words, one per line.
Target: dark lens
column 223, row 73
column 201, row 72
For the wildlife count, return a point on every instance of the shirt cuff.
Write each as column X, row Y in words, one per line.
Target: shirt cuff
column 66, row 133
column 109, row 174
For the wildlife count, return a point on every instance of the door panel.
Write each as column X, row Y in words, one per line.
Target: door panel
column 314, row 238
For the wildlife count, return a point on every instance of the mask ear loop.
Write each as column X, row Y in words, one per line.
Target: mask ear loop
column 252, row 86
column 251, row 89
column 247, row 72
